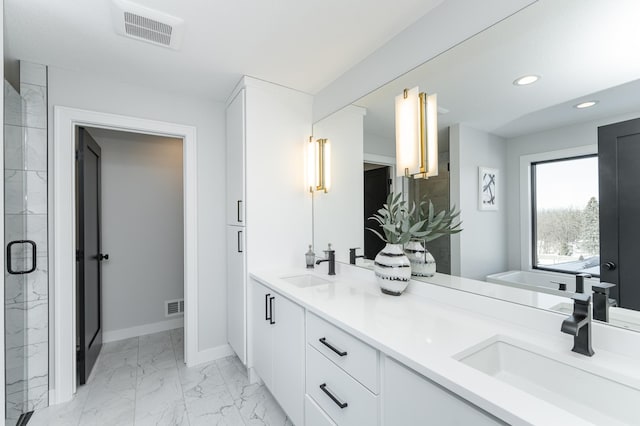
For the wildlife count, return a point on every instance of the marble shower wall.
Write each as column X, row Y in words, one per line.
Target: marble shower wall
column 26, row 296
column 437, row 190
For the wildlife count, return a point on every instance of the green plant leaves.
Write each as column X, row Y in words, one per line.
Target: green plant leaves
column 401, row 221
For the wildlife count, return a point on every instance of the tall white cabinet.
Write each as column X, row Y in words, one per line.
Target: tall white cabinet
column 268, row 209
column 236, row 231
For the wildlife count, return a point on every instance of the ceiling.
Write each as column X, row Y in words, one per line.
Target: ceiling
column 583, row 49
column 300, row 44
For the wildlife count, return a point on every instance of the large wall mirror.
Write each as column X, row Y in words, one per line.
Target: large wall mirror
column 541, row 138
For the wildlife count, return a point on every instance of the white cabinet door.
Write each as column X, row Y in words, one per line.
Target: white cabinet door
column 236, row 160
column 412, row 399
column 288, row 357
column 236, row 291
column 262, row 332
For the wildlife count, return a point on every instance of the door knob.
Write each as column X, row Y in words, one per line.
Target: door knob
column 610, row 266
column 103, row 256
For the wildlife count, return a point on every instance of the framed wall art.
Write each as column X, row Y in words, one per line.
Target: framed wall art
column 488, row 180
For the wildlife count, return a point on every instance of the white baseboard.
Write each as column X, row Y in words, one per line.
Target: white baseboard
column 209, row 355
column 141, row 330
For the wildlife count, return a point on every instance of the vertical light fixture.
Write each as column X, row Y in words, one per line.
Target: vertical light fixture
column 416, row 134
column 319, row 165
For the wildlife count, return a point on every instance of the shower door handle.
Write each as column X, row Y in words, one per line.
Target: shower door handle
column 10, row 257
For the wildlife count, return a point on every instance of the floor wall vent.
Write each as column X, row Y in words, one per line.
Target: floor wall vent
column 174, row 308
column 141, row 23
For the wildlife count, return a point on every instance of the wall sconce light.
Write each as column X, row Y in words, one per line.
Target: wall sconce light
column 319, row 165
column 416, row 134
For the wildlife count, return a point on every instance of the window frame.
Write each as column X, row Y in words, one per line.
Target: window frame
column 519, row 232
column 533, row 211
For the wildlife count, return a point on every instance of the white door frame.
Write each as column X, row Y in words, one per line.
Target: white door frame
column 64, row 230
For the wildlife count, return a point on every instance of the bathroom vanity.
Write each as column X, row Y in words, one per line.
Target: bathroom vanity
column 335, row 350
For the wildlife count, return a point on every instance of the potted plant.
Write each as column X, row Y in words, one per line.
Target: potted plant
column 392, row 267
column 432, row 226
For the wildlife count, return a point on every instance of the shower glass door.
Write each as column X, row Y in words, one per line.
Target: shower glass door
column 20, row 258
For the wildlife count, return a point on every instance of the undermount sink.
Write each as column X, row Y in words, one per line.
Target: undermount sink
column 305, row 280
column 597, row 399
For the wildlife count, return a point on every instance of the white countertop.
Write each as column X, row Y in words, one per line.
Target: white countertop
column 422, row 330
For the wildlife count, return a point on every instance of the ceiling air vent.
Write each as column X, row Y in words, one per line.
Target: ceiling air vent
column 141, row 23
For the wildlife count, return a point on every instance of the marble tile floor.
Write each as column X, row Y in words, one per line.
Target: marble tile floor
column 144, row 381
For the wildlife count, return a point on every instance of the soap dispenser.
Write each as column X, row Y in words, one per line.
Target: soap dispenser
column 310, row 256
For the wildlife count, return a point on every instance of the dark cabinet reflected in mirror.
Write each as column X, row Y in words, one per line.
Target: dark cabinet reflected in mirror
column 377, row 186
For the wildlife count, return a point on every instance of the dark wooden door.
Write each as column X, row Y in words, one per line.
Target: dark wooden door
column 377, row 185
column 88, row 256
column 619, row 161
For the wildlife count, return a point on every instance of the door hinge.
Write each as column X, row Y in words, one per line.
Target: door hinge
column 448, row 167
column 77, row 154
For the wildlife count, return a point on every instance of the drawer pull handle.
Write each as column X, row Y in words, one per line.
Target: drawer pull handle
column 339, row 403
column 266, row 306
column 323, row 340
column 271, row 320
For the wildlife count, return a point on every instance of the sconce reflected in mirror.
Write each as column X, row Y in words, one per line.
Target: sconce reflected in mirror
column 416, row 134
column 319, row 165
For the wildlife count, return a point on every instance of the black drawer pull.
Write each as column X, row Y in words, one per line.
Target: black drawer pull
column 266, row 306
column 323, row 340
column 271, row 320
column 339, row 403
column 239, row 206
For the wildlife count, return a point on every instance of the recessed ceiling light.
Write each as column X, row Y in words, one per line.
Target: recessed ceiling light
column 587, row 104
column 527, row 79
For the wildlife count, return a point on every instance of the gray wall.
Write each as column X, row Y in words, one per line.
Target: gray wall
column 142, row 227
column 481, row 248
column 97, row 93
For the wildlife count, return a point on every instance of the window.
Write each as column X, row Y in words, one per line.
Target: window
column 566, row 235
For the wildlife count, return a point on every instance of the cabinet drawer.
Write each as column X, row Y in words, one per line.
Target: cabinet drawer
column 313, row 415
column 352, row 355
column 345, row 400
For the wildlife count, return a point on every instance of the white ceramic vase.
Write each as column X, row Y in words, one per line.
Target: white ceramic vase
column 392, row 269
column 423, row 264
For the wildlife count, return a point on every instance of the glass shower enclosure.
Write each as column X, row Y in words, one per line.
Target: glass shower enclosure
column 20, row 258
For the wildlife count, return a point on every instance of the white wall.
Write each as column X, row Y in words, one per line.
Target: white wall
column 576, row 135
column 379, row 145
column 450, row 23
column 339, row 214
column 142, row 228
column 481, row 248
column 97, row 93
column 278, row 207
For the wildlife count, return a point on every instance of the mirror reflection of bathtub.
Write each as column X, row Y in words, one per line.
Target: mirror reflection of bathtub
column 546, row 282
column 547, row 285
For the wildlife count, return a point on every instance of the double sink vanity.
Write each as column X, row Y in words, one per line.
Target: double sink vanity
column 454, row 349
column 335, row 350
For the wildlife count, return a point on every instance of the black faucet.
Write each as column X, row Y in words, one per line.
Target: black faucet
column 353, row 257
column 580, row 282
column 579, row 324
column 331, row 258
column 601, row 301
